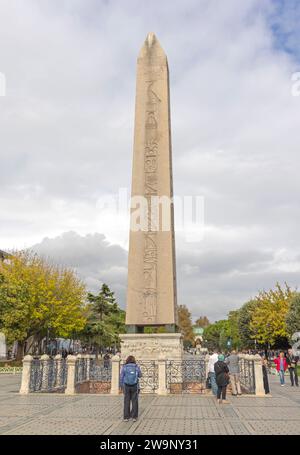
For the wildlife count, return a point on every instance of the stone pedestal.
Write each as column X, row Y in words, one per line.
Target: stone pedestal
column 152, row 346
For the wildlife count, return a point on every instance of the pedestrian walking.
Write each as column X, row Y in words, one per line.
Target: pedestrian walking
column 234, row 372
column 211, row 371
column 292, row 361
column 281, row 367
column 129, row 381
column 222, row 378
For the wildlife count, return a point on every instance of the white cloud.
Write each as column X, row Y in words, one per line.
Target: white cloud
column 66, row 133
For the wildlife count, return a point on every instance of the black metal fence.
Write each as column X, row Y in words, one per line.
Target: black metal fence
column 247, row 375
column 149, row 380
column 186, row 376
column 48, row 375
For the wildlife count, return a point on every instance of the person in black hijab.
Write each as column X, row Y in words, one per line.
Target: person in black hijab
column 222, row 378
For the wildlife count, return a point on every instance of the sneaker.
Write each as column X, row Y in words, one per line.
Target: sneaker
column 282, row 385
column 226, row 402
column 134, row 420
column 126, row 420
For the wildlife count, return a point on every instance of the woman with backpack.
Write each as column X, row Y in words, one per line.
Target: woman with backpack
column 222, row 378
column 129, row 381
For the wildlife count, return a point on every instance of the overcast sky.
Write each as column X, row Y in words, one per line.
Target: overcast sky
column 66, row 137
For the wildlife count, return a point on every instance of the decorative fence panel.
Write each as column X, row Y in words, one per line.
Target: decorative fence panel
column 186, row 376
column 149, row 380
column 247, row 375
column 48, row 375
column 100, row 376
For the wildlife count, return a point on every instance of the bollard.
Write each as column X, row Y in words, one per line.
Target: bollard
column 71, row 362
column 162, row 383
column 115, row 375
column 25, row 384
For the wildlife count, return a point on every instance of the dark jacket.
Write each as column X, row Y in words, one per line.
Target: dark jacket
column 292, row 360
column 222, row 373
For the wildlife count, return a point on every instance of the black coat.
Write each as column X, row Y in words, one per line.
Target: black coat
column 222, row 373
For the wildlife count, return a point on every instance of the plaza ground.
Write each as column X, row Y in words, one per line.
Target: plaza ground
column 42, row 414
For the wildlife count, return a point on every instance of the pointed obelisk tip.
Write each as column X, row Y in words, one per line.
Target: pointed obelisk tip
column 150, row 39
column 151, row 47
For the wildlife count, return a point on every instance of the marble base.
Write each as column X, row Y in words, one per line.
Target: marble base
column 152, row 346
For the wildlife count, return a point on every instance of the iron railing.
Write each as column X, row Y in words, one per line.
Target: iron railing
column 187, row 376
column 247, row 375
column 48, row 375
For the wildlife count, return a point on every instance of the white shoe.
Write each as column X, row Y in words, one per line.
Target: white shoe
column 282, row 385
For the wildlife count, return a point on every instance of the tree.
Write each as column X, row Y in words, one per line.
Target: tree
column 293, row 316
column 202, row 322
column 105, row 319
column 243, row 323
column 268, row 321
column 37, row 298
column 216, row 335
column 185, row 325
column 233, row 318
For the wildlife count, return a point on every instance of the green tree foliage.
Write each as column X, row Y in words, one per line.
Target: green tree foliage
column 202, row 321
column 37, row 297
column 105, row 320
column 293, row 316
column 217, row 334
column 243, row 322
column 185, row 325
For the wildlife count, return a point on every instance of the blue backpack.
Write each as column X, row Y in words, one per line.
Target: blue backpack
column 131, row 374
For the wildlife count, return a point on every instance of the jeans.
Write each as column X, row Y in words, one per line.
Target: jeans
column 214, row 386
column 222, row 390
column 281, row 377
column 131, row 396
column 294, row 376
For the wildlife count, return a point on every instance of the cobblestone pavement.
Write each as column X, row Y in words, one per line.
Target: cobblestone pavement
column 171, row 415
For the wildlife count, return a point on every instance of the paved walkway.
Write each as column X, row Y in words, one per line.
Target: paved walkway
column 171, row 415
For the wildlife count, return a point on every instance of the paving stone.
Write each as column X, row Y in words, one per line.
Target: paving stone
column 185, row 414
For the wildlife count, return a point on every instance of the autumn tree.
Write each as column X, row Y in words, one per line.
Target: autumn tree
column 268, row 318
column 202, row 321
column 185, row 325
column 37, row 298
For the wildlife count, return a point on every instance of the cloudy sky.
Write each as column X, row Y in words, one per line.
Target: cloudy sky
column 66, row 137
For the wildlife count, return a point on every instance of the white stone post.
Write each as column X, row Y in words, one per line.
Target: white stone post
column 71, row 362
column 45, row 371
column 258, row 372
column 58, row 360
column 162, row 380
column 25, row 384
column 115, row 375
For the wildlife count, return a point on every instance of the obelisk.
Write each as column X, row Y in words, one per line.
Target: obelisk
column 151, row 292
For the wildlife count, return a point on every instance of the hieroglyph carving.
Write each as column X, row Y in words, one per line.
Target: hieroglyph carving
column 151, row 151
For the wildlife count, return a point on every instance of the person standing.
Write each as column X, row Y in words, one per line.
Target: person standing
column 211, row 371
column 281, row 367
column 292, row 361
column 222, row 378
column 129, row 381
column 234, row 371
column 264, row 365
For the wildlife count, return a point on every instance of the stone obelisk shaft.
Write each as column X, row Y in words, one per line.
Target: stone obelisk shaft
column 151, row 295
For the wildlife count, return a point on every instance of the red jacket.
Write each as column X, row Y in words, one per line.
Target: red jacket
column 277, row 363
